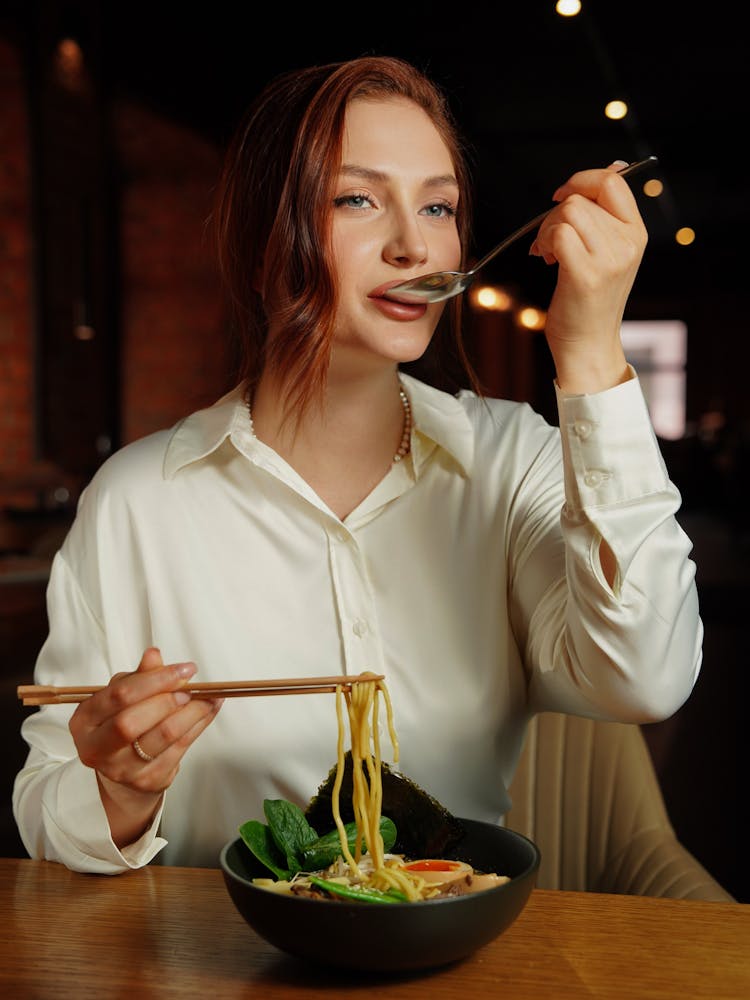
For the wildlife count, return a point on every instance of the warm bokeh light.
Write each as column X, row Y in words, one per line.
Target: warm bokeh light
column 653, row 187
column 685, row 236
column 616, row 110
column 568, row 8
column 69, row 64
column 492, row 298
column 531, row 319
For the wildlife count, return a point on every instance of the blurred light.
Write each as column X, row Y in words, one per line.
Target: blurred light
column 82, row 331
column 653, row 188
column 531, row 319
column 685, row 236
column 568, row 8
column 616, row 109
column 491, row 298
column 69, row 64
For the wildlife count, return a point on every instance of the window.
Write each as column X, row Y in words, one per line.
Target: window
column 657, row 349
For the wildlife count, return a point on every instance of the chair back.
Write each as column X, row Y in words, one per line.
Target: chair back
column 587, row 794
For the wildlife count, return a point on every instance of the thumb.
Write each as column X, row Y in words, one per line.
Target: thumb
column 151, row 659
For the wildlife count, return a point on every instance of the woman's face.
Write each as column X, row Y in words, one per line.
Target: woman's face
column 393, row 218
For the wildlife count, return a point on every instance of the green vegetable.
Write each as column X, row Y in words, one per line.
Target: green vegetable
column 288, row 844
column 290, row 830
column 359, row 893
column 259, row 840
column 324, row 851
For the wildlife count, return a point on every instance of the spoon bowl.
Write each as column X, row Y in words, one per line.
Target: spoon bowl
column 441, row 285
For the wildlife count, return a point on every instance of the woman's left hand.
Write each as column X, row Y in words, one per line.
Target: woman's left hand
column 597, row 238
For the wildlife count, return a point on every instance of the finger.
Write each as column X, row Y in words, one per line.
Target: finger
column 179, row 734
column 605, row 187
column 151, row 659
column 579, row 222
column 131, row 689
column 180, row 730
column 130, row 704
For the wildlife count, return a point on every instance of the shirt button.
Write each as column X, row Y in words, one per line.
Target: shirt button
column 359, row 627
column 595, row 478
column 342, row 535
column 582, row 429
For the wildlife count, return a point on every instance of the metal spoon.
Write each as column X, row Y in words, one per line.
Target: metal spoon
column 445, row 284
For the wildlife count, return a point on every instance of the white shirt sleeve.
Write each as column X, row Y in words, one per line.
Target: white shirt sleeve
column 611, row 651
column 56, row 799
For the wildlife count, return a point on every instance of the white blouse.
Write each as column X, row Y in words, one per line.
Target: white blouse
column 469, row 577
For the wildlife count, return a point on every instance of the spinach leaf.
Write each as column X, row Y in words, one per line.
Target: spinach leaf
column 288, row 844
column 258, row 839
column 323, row 852
column 289, row 829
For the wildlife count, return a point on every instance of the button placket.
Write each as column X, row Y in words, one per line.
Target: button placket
column 355, row 604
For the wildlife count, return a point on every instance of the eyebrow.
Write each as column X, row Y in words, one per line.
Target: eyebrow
column 367, row 173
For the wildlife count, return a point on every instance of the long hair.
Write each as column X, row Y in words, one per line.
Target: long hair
column 274, row 207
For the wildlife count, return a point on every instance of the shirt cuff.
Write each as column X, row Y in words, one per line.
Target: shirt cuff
column 79, row 831
column 610, row 451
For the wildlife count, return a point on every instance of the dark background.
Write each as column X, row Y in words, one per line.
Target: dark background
column 529, row 89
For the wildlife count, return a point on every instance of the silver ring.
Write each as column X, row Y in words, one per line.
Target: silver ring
column 141, row 752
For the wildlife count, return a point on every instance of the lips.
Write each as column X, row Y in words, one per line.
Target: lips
column 380, row 291
column 403, row 311
column 392, row 307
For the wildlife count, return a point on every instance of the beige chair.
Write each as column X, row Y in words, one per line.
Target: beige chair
column 587, row 793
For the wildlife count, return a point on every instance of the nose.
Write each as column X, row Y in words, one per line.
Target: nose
column 405, row 245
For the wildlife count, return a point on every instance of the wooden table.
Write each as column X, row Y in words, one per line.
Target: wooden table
column 174, row 932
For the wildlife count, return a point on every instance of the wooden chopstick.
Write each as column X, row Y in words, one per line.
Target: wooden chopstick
column 47, row 694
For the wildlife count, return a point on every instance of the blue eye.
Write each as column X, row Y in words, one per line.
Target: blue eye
column 352, row 201
column 440, row 210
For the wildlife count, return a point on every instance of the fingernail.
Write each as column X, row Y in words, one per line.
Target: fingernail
column 182, row 697
column 186, row 669
column 619, row 164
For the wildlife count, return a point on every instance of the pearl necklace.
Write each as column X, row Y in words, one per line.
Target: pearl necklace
column 405, row 444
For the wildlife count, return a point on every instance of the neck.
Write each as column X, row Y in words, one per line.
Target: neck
column 344, row 449
column 364, row 417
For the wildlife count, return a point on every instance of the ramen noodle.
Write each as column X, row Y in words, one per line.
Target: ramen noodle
column 367, row 866
column 362, row 704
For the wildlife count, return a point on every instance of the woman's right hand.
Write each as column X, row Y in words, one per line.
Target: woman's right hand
column 149, row 706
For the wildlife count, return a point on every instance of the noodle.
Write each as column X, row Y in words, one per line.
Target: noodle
column 390, row 877
column 362, row 701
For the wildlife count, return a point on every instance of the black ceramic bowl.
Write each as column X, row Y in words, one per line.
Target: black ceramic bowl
column 400, row 936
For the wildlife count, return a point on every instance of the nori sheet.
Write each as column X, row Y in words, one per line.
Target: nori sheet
column 425, row 828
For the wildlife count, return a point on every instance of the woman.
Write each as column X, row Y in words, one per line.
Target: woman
column 333, row 514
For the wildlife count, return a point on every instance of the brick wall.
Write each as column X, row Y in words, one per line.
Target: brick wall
column 172, row 348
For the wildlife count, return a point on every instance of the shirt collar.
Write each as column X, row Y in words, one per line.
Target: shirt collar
column 439, row 419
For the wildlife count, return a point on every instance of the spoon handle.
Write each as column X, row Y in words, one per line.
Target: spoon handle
column 631, row 168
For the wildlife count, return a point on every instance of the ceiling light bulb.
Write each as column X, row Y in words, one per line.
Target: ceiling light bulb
column 568, row 8
column 685, row 236
column 653, row 187
column 616, row 109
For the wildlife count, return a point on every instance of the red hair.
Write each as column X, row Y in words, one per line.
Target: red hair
column 274, row 207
